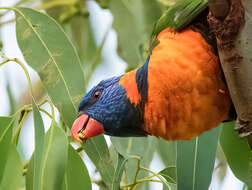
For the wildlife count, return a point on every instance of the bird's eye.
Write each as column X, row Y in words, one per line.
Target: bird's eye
column 97, row 93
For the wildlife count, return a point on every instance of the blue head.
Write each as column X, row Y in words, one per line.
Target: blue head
column 108, row 105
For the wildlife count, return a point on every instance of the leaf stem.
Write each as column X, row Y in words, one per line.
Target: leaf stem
column 16, row 60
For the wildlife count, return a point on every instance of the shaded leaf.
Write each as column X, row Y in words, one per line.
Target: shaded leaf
column 169, row 174
column 237, row 153
column 46, row 48
column 121, row 161
column 195, row 160
column 137, row 15
column 167, row 152
column 97, row 150
column 76, row 176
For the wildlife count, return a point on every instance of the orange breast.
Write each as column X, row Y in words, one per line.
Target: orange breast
column 186, row 93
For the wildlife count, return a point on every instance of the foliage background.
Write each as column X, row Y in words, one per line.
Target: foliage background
column 96, row 46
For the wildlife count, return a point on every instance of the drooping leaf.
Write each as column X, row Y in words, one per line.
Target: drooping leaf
column 121, row 161
column 58, row 66
column 169, row 174
column 46, row 48
column 76, row 176
column 97, row 150
column 12, row 177
column 237, row 153
column 195, row 160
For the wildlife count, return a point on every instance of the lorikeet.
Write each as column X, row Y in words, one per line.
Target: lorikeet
column 177, row 94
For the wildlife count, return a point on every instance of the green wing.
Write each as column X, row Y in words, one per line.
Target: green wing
column 178, row 15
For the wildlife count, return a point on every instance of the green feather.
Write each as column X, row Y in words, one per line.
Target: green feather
column 178, row 16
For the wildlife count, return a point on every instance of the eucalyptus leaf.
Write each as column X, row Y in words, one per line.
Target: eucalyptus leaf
column 58, row 66
column 97, row 150
column 195, row 160
column 47, row 49
column 39, row 135
column 167, row 152
column 137, row 15
column 6, row 128
column 237, row 153
column 12, row 177
column 76, row 176
column 121, row 161
column 53, row 161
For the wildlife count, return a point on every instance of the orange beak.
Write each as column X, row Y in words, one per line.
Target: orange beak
column 85, row 127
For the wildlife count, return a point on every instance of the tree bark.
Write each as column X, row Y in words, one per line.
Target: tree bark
column 234, row 41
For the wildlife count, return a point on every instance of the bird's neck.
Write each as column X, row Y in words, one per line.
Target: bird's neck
column 136, row 84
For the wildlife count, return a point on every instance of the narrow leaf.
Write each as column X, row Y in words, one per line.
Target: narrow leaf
column 237, row 153
column 46, row 48
column 39, row 143
column 76, row 176
column 195, row 160
column 118, row 172
column 97, row 150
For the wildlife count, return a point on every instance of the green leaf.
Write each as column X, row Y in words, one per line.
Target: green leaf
column 12, row 177
column 195, row 160
column 135, row 14
column 39, row 134
column 121, row 161
column 54, row 161
column 237, row 153
column 10, row 164
column 46, row 49
column 169, row 174
column 143, row 147
column 5, row 141
column 76, row 176
column 97, row 150
column 167, row 152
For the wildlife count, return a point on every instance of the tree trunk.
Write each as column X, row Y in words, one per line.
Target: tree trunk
column 234, row 40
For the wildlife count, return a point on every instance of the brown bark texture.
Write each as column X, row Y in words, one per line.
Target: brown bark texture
column 234, row 41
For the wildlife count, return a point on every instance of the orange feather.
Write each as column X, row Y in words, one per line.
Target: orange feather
column 128, row 81
column 186, row 93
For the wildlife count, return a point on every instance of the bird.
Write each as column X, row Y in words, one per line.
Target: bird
column 177, row 94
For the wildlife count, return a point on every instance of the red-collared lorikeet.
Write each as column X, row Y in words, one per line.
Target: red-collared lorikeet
column 177, row 94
